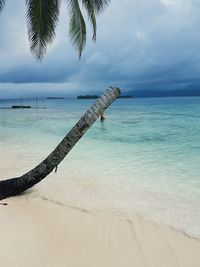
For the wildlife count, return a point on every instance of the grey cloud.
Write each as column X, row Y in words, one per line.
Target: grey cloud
column 140, row 44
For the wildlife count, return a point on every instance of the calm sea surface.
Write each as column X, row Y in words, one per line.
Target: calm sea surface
column 145, row 157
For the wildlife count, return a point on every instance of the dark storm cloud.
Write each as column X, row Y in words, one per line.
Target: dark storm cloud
column 141, row 45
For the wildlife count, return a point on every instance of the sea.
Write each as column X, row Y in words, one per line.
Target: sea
column 144, row 158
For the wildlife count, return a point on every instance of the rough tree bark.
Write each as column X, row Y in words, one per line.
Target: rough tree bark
column 15, row 186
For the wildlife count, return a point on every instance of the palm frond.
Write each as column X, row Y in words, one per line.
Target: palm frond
column 2, row 4
column 42, row 17
column 99, row 5
column 93, row 7
column 89, row 6
column 77, row 27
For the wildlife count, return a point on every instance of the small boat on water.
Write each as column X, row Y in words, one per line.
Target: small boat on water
column 20, row 106
column 27, row 106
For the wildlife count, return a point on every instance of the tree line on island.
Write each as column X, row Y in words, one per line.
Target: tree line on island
column 86, row 97
column 96, row 96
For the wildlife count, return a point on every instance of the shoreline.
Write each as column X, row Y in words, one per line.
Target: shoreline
column 120, row 217
column 51, row 190
column 39, row 232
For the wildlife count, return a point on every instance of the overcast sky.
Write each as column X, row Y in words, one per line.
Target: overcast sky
column 141, row 45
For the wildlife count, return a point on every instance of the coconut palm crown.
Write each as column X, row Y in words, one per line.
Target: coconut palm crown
column 42, row 17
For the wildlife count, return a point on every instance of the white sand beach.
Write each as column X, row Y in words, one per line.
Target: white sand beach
column 38, row 233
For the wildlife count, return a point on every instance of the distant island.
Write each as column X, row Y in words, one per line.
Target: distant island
column 96, row 96
column 55, row 97
column 87, row 97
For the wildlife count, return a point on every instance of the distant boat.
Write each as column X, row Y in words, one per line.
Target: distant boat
column 16, row 107
column 20, row 106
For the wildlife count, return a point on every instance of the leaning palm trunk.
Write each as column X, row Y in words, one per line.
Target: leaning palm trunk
column 18, row 185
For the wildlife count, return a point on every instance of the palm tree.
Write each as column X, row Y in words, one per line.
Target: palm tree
column 17, row 185
column 42, row 16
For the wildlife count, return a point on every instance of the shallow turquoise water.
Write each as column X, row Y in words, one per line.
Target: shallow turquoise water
column 145, row 157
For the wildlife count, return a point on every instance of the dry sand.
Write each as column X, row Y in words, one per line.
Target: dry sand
column 36, row 232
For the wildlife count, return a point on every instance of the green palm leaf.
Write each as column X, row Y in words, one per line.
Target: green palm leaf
column 42, row 17
column 77, row 27
column 89, row 5
column 99, row 5
column 2, row 3
column 94, row 7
